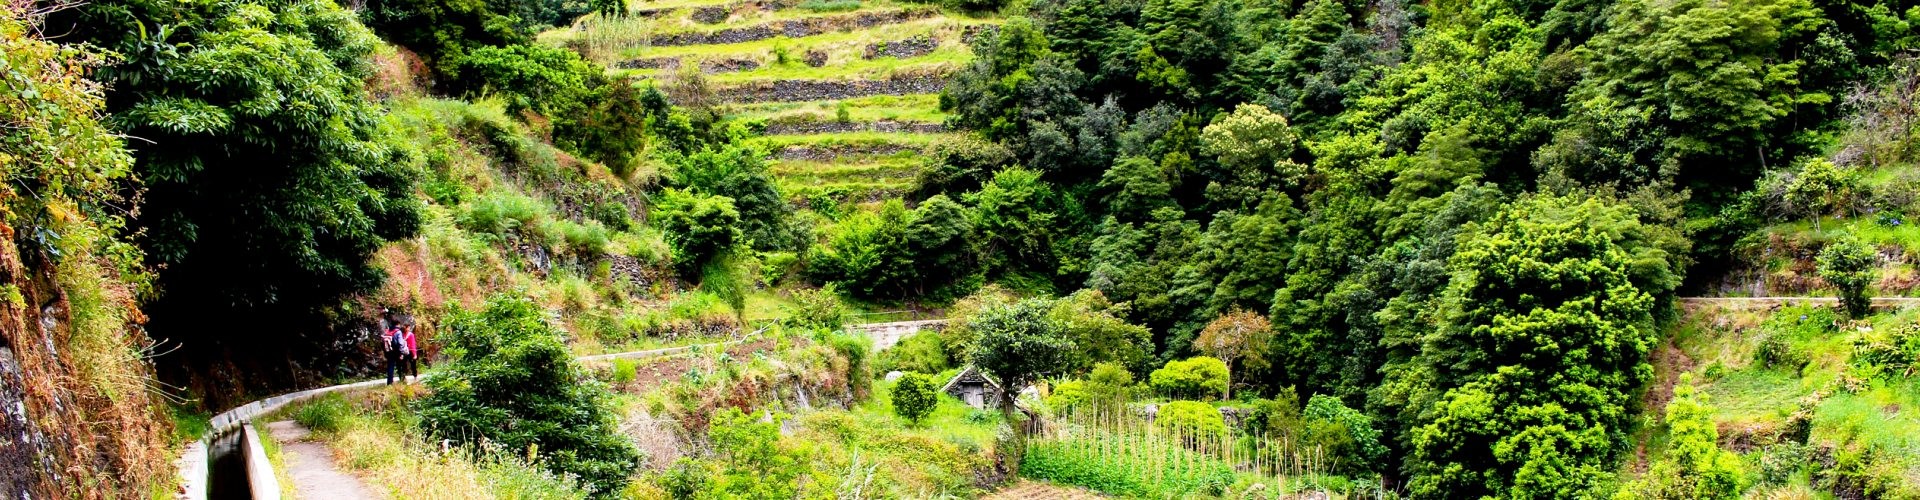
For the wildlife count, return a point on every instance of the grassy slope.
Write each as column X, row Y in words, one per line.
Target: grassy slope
column 1857, row 415
column 498, row 201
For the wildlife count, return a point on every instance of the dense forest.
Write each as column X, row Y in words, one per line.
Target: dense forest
column 1442, row 244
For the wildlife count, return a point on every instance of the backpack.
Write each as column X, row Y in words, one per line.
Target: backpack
column 395, row 344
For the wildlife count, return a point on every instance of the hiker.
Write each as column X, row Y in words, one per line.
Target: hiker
column 396, row 346
column 413, row 353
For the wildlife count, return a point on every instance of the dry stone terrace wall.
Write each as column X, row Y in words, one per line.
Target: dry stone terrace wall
column 903, row 49
column 793, row 28
column 817, row 90
column 817, row 127
column 835, row 153
column 667, row 63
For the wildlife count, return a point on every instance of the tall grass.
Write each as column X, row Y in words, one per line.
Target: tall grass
column 1119, row 452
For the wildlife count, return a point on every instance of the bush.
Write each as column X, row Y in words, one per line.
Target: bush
column 1346, row 434
column 1895, row 350
column 1851, row 267
column 514, row 384
column 1190, row 418
column 698, row 227
column 923, row 352
column 914, row 397
column 817, row 308
column 1198, row 376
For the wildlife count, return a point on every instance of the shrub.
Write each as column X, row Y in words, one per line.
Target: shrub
column 857, row 349
column 1200, row 376
column 1190, row 418
column 923, row 352
column 1108, row 383
column 914, row 397
column 1850, row 266
column 817, row 308
column 513, row 383
column 1896, row 350
column 753, row 464
column 1348, row 435
column 625, row 371
column 698, row 227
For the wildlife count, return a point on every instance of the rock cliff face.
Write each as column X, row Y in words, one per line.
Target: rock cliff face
column 64, row 432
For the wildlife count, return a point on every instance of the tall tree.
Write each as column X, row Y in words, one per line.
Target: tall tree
column 270, row 177
column 1549, row 318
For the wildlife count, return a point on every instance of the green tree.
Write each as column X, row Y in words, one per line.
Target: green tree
column 914, row 397
column 1200, row 376
column 1015, row 219
column 514, row 383
column 699, row 228
column 739, row 173
column 1694, row 467
column 1099, row 331
column 1549, row 319
column 1711, row 78
column 940, row 242
column 1851, row 267
column 1107, row 385
column 1816, row 189
column 1018, row 343
column 269, row 178
column 867, row 254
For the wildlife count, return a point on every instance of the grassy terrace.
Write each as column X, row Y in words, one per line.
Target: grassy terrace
column 851, row 139
column 849, row 166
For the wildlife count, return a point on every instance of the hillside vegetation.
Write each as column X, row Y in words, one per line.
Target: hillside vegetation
column 1183, row 248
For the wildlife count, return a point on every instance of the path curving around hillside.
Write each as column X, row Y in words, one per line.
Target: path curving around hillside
column 192, row 466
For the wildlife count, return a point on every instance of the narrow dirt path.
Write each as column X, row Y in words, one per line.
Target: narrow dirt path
column 311, row 466
column 1036, row 490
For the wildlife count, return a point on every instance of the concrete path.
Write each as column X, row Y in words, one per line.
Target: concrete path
column 311, row 467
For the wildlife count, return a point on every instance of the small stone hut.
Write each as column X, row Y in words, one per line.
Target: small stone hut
column 974, row 388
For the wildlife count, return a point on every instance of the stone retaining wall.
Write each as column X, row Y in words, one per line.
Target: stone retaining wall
column 903, row 49
column 819, row 90
column 835, row 153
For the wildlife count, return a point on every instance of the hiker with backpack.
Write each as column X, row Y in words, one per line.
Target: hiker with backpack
column 413, row 352
column 396, row 347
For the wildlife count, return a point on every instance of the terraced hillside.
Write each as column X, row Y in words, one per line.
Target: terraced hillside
column 847, row 89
